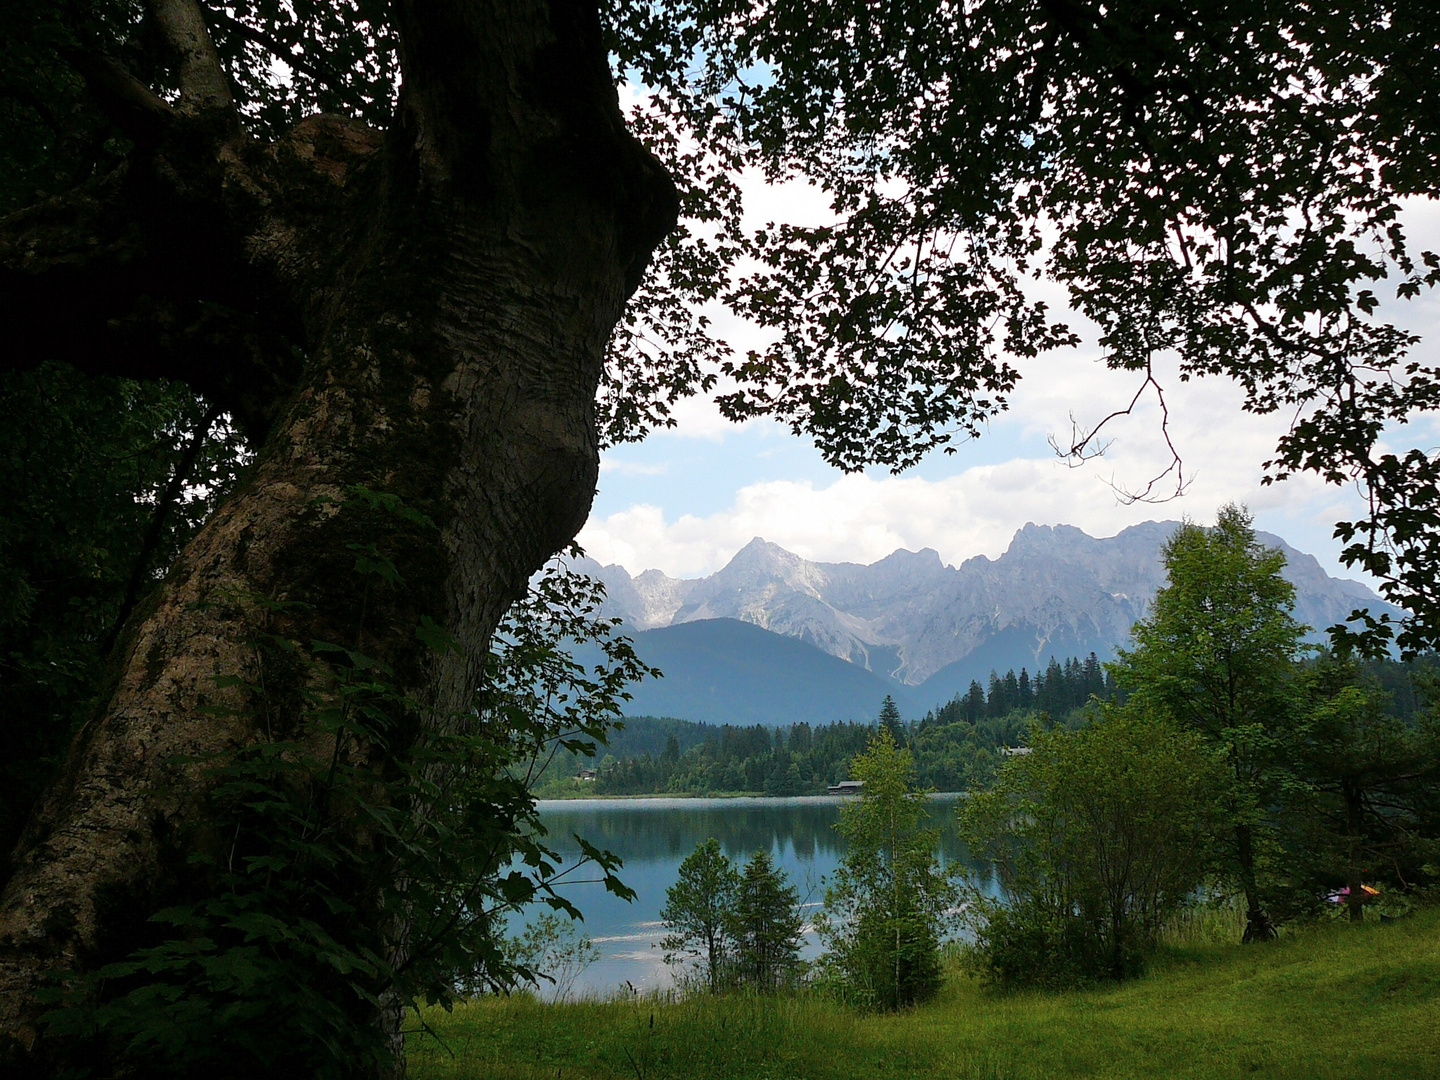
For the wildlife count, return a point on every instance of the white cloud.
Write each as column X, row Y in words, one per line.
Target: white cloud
column 699, row 418
column 976, row 511
column 610, row 464
column 793, row 202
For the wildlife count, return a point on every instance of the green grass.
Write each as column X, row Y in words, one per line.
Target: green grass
column 1359, row 1003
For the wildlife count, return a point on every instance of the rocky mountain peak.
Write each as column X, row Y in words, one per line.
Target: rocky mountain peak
column 909, row 617
column 762, row 560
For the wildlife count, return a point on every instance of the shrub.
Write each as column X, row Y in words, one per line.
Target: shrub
column 1098, row 836
column 551, row 950
column 1027, row 944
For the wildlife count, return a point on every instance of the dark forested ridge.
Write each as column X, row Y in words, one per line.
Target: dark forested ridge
column 724, row 671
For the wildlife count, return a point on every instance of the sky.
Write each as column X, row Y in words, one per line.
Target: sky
column 685, row 500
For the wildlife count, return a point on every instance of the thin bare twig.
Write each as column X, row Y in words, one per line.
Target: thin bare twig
column 1086, row 445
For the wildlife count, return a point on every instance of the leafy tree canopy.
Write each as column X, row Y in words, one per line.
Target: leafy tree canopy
column 1217, row 186
column 1361, row 802
column 1218, row 653
column 1220, row 637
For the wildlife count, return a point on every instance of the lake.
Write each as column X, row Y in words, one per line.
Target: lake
column 653, row 836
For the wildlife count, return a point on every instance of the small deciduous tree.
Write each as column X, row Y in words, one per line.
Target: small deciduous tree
column 1216, row 653
column 1098, row 835
column 698, row 912
column 551, row 950
column 885, row 908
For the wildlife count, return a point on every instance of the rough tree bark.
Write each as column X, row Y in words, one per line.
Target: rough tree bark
column 421, row 310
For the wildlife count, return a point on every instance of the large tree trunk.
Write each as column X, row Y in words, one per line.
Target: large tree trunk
column 448, row 287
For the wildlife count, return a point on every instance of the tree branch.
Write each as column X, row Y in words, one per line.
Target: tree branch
column 122, row 97
column 85, row 279
column 203, row 85
column 1087, row 445
column 327, row 76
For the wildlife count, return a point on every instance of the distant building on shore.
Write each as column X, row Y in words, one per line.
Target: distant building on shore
column 847, row 787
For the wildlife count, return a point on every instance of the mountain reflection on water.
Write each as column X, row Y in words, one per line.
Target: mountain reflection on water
column 653, row 836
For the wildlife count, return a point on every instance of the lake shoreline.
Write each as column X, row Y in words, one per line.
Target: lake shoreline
column 725, row 796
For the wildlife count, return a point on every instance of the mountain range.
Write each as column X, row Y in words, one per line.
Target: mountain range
column 918, row 628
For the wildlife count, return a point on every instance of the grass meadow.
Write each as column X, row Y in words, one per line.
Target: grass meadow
column 1333, row 1000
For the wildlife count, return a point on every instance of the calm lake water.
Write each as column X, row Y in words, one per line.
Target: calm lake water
column 653, row 836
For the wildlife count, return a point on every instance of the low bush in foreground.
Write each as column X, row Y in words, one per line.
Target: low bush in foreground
column 1335, row 1000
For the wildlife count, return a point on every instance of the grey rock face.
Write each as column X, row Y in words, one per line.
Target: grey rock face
column 1056, row 591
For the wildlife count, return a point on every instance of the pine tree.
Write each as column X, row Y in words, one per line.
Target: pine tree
column 995, row 703
column 1051, row 698
column 890, row 718
column 1094, row 677
column 1074, row 683
column 974, row 702
column 766, row 925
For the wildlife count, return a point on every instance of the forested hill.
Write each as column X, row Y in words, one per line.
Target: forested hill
column 724, row 671
column 955, row 747
column 760, row 760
